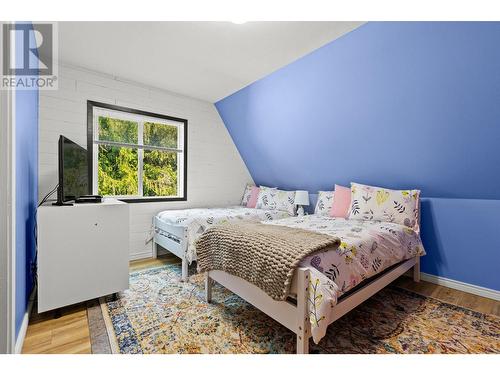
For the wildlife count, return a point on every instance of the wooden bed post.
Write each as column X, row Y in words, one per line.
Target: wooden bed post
column 155, row 248
column 185, row 264
column 208, row 287
column 416, row 270
column 303, row 324
column 184, row 276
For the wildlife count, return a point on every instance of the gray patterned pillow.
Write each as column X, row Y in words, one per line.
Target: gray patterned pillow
column 324, row 203
column 265, row 199
column 246, row 195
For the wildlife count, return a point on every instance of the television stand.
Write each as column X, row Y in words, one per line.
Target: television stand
column 83, row 252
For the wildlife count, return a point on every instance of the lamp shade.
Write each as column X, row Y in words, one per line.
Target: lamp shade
column 302, row 198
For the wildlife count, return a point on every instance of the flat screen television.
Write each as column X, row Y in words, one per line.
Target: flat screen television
column 73, row 171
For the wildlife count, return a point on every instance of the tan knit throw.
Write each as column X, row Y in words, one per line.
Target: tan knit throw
column 264, row 255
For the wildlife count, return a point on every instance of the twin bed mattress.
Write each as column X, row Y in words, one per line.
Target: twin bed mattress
column 198, row 220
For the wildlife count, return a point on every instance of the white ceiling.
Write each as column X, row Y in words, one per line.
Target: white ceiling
column 205, row 60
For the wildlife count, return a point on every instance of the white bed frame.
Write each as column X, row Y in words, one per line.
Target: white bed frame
column 177, row 248
column 295, row 316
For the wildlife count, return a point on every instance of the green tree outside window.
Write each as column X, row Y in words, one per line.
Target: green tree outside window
column 118, row 173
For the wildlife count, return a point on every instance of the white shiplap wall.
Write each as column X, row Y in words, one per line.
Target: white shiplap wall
column 216, row 173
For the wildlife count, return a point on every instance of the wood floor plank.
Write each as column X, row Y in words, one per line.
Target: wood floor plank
column 80, row 346
column 453, row 296
column 37, row 343
column 70, row 333
column 477, row 303
column 40, row 335
column 496, row 309
column 447, row 295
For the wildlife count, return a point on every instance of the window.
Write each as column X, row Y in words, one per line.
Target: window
column 136, row 156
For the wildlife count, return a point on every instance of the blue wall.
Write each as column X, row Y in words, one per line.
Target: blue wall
column 26, row 194
column 397, row 104
column 461, row 239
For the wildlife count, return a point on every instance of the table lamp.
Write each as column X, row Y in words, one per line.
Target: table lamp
column 301, row 199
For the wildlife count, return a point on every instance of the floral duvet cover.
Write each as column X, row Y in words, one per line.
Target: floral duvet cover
column 367, row 248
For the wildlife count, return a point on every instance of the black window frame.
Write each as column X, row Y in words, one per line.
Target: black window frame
column 90, row 147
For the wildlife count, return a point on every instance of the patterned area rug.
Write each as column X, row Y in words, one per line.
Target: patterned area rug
column 160, row 314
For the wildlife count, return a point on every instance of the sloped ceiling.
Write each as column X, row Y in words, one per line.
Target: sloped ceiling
column 204, row 60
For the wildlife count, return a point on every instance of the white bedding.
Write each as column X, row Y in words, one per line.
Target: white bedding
column 198, row 220
column 367, row 248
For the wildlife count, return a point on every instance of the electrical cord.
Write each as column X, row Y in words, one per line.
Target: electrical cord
column 34, row 270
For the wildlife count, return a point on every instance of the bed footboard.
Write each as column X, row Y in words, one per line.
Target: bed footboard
column 295, row 317
column 303, row 330
column 176, row 243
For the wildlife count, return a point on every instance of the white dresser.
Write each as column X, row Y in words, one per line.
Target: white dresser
column 83, row 252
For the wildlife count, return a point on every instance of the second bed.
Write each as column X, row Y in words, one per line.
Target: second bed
column 177, row 230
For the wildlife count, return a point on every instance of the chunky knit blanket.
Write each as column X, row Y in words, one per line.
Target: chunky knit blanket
column 264, row 255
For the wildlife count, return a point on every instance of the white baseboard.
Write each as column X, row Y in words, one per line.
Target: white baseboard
column 24, row 325
column 143, row 255
column 464, row 287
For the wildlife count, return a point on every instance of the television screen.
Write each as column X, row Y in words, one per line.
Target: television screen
column 73, row 170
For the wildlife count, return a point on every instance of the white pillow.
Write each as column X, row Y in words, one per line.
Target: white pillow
column 284, row 201
column 394, row 206
column 324, row 203
column 274, row 199
column 246, row 195
column 265, row 199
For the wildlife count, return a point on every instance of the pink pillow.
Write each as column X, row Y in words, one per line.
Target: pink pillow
column 254, row 194
column 342, row 202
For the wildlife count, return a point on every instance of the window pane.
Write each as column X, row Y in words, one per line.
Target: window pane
column 115, row 130
column 160, row 135
column 117, row 173
column 160, row 173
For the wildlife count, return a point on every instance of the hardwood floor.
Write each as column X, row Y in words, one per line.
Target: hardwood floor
column 453, row 296
column 70, row 332
column 67, row 334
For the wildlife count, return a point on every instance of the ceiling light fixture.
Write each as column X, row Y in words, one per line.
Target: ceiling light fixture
column 239, row 22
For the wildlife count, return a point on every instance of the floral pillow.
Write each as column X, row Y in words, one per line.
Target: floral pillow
column 266, row 200
column 324, row 203
column 394, row 206
column 284, row 201
column 246, row 195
